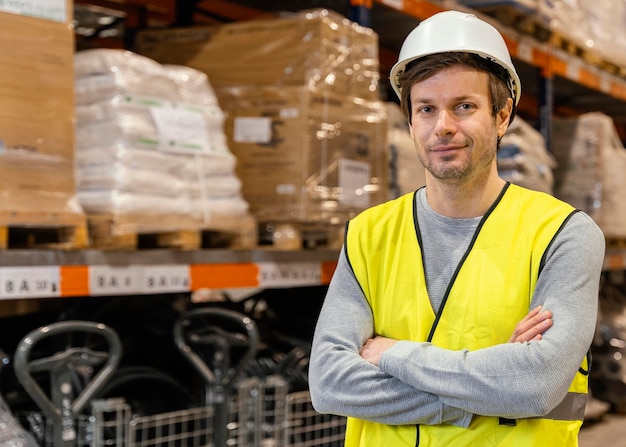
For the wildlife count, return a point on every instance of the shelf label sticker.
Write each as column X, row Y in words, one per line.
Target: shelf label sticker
column 29, row 282
column 166, row 278
column 114, row 280
column 525, row 50
column 397, row 4
column 573, row 69
column 605, row 83
column 272, row 274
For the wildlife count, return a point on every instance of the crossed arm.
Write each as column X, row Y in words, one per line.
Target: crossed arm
column 530, row 328
column 355, row 373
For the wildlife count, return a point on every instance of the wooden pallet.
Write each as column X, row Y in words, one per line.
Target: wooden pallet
column 615, row 243
column 296, row 235
column 44, row 230
column 517, row 15
column 589, row 55
column 139, row 232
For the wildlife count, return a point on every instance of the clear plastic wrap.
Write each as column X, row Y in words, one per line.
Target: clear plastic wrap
column 524, row 159
column 591, row 161
column 306, row 156
column 596, row 26
column 406, row 172
column 36, row 183
column 316, row 48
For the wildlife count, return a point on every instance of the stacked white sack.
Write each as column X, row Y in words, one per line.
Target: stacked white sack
column 150, row 140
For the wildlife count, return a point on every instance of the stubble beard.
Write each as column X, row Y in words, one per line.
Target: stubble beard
column 455, row 173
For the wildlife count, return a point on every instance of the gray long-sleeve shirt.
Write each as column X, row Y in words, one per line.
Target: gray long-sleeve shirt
column 417, row 382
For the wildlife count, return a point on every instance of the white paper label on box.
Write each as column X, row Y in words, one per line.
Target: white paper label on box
column 55, row 10
column 272, row 274
column 286, row 189
column 354, row 176
column 166, row 278
column 289, row 112
column 181, row 128
column 113, row 280
column 29, row 282
column 248, row 129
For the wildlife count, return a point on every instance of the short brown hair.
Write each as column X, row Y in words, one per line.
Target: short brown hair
column 427, row 66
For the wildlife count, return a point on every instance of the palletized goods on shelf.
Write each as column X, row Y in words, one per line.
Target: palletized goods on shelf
column 300, row 93
column 151, row 153
column 319, row 49
column 406, row 173
column 597, row 27
column 523, row 157
column 591, row 161
column 315, row 153
column 38, row 206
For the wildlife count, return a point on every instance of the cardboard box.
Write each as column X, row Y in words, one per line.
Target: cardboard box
column 36, row 182
column 37, row 85
column 304, row 155
column 319, row 49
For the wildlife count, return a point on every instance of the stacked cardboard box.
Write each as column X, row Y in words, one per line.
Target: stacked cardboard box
column 36, row 84
column 36, row 111
column 305, row 155
column 318, row 49
column 303, row 117
column 591, row 161
column 406, row 172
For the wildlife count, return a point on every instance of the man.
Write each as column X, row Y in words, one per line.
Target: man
column 461, row 314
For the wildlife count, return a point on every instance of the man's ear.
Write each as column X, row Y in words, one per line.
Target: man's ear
column 504, row 117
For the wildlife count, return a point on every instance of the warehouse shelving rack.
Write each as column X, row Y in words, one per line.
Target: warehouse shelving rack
column 547, row 71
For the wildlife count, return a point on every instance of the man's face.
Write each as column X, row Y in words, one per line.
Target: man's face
column 452, row 126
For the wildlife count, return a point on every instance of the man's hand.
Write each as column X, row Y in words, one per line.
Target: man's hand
column 532, row 326
column 374, row 348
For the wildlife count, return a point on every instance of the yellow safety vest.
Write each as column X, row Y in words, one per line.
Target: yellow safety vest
column 501, row 267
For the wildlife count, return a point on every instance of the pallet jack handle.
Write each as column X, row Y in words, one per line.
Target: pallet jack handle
column 221, row 378
column 221, row 339
column 60, row 407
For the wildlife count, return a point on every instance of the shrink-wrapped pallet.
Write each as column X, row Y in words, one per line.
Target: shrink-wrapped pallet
column 523, row 158
column 597, row 27
column 406, row 172
column 37, row 127
column 319, row 49
column 591, row 161
column 303, row 115
column 304, row 156
column 150, row 144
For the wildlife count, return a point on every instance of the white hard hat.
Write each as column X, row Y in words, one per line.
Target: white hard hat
column 459, row 32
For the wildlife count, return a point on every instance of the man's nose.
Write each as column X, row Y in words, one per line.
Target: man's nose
column 446, row 123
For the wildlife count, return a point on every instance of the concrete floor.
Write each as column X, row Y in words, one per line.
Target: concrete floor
column 608, row 431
